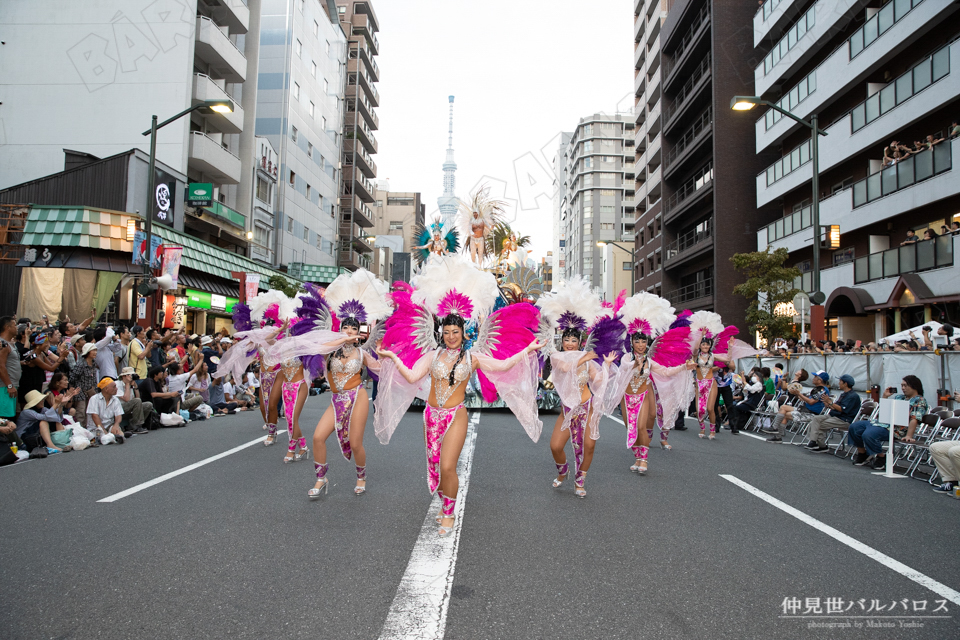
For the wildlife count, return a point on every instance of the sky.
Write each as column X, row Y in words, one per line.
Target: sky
column 522, row 71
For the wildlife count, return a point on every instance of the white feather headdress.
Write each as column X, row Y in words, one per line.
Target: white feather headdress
column 260, row 304
column 359, row 295
column 490, row 210
column 451, row 284
column 573, row 304
column 704, row 324
column 647, row 313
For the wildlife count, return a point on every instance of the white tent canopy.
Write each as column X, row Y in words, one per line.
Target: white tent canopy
column 917, row 334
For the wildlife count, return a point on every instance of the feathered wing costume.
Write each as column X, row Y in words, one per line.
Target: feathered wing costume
column 734, row 349
column 256, row 334
column 476, row 220
column 667, row 355
column 705, row 326
column 426, row 246
column 451, row 286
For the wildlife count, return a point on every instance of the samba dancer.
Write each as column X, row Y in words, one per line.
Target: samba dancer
column 456, row 291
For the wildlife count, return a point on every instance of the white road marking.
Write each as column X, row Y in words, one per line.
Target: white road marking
column 616, row 419
column 751, row 435
column 419, row 610
column 923, row 580
column 174, row 474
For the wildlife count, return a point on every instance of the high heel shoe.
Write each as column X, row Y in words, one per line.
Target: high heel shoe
column 358, row 490
column 578, row 484
column 291, row 452
column 703, row 433
column 315, row 492
column 642, row 470
column 558, row 480
column 665, row 445
column 271, row 435
column 446, row 530
column 300, row 455
column 636, row 467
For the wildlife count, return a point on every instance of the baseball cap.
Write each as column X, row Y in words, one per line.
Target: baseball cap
column 848, row 379
column 823, row 375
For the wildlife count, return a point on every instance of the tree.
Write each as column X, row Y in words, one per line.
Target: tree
column 768, row 284
column 282, row 284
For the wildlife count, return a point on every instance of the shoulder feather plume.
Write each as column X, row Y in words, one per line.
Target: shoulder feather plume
column 314, row 311
column 572, row 304
column 359, row 295
column 260, row 304
column 451, row 284
column 241, row 317
column 647, row 313
column 725, row 339
column 490, row 210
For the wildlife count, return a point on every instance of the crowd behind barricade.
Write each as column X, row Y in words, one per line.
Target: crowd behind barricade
column 73, row 386
column 945, row 337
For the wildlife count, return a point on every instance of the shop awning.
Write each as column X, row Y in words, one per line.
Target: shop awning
column 195, row 280
column 80, row 258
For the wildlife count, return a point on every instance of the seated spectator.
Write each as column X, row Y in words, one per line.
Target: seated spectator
column 812, row 403
column 218, row 401
column 841, row 414
column 133, row 406
column 104, row 412
column 869, row 436
column 35, row 424
column 154, row 391
column 769, row 386
column 946, row 455
column 177, row 381
column 57, row 386
column 753, row 394
column 237, row 393
column 911, row 237
column 800, row 375
column 200, row 382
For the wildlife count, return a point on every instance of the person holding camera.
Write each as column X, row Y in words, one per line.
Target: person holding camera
column 133, row 407
column 140, row 352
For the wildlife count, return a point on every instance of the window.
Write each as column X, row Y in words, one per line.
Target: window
column 316, row 28
column 587, row 229
column 587, row 211
column 606, row 226
column 323, row 123
column 293, row 133
column 310, row 149
column 342, row 10
column 299, row 48
column 313, row 69
column 396, row 225
column 327, row 48
column 300, row 5
column 263, row 190
column 326, row 86
column 309, row 192
column 289, row 225
column 379, row 203
column 261, row 236
column 312, row 108
column 306, row 235
column 628, row 266
column 319, row 242
column 296, row 91
column 587, row 262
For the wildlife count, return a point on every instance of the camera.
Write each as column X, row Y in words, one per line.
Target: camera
column 925, row 327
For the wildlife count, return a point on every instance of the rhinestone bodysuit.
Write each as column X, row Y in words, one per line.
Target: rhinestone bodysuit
column 344, row 370
column 440, row 370
column 640, row 376
column 705, row 366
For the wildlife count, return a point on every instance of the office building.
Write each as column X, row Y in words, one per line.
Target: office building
column 360, row 25
column 597, row 204
column 300, row 110
column 872, row 75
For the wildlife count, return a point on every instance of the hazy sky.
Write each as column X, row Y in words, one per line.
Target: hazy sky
column 521, row 70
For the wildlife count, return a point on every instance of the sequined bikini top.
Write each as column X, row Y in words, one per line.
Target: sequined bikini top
column 290, row 367
column 343, row 371
column 705, row 366
column 583, row 376
column 640, row 376
column 440, row 370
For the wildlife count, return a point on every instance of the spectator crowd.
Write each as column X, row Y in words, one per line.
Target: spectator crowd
column 73, row 386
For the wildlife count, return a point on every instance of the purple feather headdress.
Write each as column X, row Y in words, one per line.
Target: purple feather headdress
column 570, row 320
column 352, row 309
column 241, row 317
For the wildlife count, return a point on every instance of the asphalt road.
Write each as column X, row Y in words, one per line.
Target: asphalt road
column 234, row 549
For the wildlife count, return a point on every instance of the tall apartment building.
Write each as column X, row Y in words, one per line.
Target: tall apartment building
column 396, row 217
column 560, row 206
column 360, row 24
column 117, row 64
column 696, row 162
column 264, row 201
column 872, row 73
column 300, row 110
column 598, row 192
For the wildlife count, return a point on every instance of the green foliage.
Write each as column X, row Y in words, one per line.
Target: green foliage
column 768, row 283
column 282, row 284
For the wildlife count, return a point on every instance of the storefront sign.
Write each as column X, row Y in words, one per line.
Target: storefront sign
column 213, row 302
column 252, row 286
column 174, row 309
column 199, row 194
column 140, row 249
column 164, row 197
column 171, row 262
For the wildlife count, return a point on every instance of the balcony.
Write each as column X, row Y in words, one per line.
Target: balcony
column 261, row 254
column 361, row 25
column 356, row 69
column 911, row 258
column 904, row 174
column 356, row 236
column 233, row 14
column 364, row 134
column 639, row 56
column 204, row 88
column 355, row 155
column 223, row 212
column 359, row 212
column 693, row 295
column 689, row 245
column 692, row 35
column 218, row 51
column 359, row 85
column 693, row 188
column 369, row 115
column 638, row 27
column 787, row 226
column 698, row 132
column 823, row 19
column 359, row 49
column 698, row 78
column 352, row 260
column 838, row 74
column 772, row 17
column 358, row 185
column 207, row 156
column 639, row 115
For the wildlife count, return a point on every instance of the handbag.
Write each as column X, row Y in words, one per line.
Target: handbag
column 61, row 438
